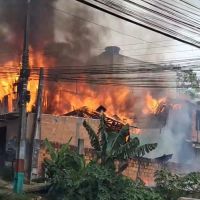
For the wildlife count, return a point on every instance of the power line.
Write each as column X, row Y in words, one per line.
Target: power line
column 103, row 26
column 150, row 20
column 158, row 48
column 169, row 52
column 177, row 20
column 192, row 5
column 192, row 43
column 175, row 6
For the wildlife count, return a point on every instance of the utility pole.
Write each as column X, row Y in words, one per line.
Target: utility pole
column 24, row 97
column 36, row 136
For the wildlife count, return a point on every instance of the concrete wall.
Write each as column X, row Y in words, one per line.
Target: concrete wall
column 61, row 128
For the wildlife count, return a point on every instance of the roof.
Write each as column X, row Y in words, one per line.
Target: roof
column 111, row 123
column 9, row 116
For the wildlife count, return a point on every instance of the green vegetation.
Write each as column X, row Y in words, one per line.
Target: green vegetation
column 173, row 186
column 72, row 179
column 111, row 146
column 189, row 81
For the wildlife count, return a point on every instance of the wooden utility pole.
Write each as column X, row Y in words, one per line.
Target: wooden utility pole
column 24, row 97
column 36, row 137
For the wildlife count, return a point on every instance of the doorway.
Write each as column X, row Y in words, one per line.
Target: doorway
column 2, row 145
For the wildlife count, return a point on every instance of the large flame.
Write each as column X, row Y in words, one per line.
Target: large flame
column 152, row 104
column 73, row 96
column 64, row 97
column 36, row 60
column 9, row 77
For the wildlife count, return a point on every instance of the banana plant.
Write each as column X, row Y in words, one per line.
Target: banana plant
column 112, row 146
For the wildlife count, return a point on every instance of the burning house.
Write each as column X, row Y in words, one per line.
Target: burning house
column 69, row 97
column 157, row 122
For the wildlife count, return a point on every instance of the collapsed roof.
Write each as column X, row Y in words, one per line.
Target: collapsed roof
column 111, row 123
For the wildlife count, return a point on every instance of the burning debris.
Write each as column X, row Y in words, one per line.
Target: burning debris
column 84, row 112
column 164, row 158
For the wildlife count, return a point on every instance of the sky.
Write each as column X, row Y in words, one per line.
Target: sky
column 134, row 41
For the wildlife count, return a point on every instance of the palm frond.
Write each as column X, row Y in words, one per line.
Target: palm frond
column 127, row 150
column 93, row 137
column 120, row 138
column 103, row 135
column 146, row 148
column 65, row 147
column 51, row 150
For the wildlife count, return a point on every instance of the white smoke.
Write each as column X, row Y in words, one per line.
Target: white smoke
column 176, row 137
column 176, row 134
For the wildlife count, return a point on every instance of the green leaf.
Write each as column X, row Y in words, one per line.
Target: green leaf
column 127, row 150
column 92, row 135
column 120, row 138
column 103, row 136
column 146, row 148
column 51, row 150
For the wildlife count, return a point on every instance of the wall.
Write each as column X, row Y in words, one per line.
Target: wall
column 145, row 169
column 59, row 129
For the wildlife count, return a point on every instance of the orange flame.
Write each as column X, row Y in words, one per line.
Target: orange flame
column 152, row 104
column 64, row 97
column 37, row 60
column 70, row 96
column 8, row 79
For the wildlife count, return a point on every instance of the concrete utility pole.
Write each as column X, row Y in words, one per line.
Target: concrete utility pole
column 36, row 137
column 24, row 97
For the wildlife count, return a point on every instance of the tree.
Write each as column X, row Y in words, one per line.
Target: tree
column 111, row 146
column 188, row 81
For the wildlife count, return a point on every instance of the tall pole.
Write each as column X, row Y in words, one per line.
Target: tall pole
column 36, row 137
column 23, row 99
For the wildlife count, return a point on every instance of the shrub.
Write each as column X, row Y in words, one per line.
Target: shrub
column 173, row 186
column 71, row 179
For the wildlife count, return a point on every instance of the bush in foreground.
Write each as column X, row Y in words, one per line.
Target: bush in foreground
column 72, row 179
column 173, row 186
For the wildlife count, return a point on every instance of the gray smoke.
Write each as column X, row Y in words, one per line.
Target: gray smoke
column 12, row 20
column 78, row 40
column 75, row 48
column 175, row 136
